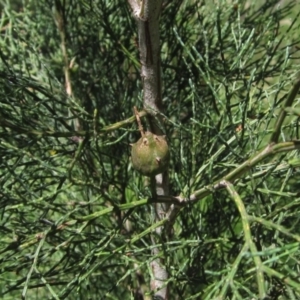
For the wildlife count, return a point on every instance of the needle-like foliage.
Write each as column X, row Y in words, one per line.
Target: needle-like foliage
column 76, row 217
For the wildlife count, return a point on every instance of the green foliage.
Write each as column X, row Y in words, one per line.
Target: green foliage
column 75, row 219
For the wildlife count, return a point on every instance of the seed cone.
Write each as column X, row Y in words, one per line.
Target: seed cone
column 150, row 154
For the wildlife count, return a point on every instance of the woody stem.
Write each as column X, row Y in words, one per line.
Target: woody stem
column 138, row 120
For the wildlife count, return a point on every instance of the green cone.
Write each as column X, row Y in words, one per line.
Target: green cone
column 150, row 154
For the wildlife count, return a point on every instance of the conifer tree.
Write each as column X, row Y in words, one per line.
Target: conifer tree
column 204, row 95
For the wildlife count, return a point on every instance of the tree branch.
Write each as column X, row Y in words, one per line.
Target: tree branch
column 147, row 13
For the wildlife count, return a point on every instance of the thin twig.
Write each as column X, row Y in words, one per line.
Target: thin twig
column 269, row 151
column 40, row 133
column 138, row 120
column 289, row 101
column 248, row 237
